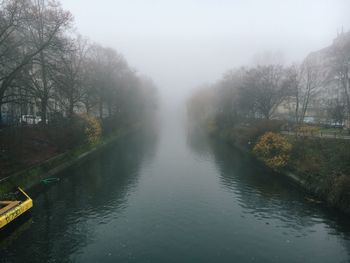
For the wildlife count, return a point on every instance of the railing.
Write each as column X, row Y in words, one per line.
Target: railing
column 325, row 135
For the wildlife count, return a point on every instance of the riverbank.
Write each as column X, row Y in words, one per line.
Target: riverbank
column 319, row 165
column 33, row 176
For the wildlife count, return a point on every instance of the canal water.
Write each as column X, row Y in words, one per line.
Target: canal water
column 172, row 195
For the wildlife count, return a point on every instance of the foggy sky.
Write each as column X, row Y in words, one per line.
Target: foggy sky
column 184, row 43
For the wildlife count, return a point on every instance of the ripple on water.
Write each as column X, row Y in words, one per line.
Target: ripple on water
column 213, row 205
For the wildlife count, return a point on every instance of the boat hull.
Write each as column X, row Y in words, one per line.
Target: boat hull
column 16, row 211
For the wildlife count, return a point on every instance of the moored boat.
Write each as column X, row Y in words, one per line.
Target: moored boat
column 10, row 210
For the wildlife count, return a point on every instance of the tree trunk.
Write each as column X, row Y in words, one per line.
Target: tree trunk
column 305, row 103
column 297, row 105
column 267, row 115
column 71, row 108
column 1, row 113
column 347, row 95
column 101, row 108
column 88, row 108
column 44, row 101
column 2, row 94
column 45, row 97
column 109, row 110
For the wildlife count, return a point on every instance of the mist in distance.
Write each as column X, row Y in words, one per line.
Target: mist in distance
column 187, row 43
column 175, row 131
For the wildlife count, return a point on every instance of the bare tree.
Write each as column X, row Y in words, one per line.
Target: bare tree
column 108, row 70
column 42, row 65
column 305, row 81
column 337, row 111
column 48, row 23
column 13, row 57
column 29, row 28
column 267, row 87
column 310, row 84
column 68, row 75
column 233, row 102
column 340, row 67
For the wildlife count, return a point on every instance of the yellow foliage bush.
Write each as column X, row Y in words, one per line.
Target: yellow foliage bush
column 211, row 127
column 93, row 130
column 274, row 149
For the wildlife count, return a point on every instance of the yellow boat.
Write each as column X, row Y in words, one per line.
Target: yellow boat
column 10, row 210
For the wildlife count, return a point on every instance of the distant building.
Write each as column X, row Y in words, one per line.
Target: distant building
column 328, row 90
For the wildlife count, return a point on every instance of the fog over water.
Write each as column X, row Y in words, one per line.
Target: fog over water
column 112, row 182
column 185, row 43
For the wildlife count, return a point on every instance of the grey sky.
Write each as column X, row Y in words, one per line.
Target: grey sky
column 184, row 43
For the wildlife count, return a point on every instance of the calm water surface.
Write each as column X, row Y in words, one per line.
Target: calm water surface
column 174, row 196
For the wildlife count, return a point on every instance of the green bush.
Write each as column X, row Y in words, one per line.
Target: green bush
column 341, row 192
column 79, row 130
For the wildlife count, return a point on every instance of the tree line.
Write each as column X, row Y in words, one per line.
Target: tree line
column 322, row 80
column 47, row 68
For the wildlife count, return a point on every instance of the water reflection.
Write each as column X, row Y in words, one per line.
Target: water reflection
column 66, row 215
column 265, row 197
column 197, row 141
column 200, row 202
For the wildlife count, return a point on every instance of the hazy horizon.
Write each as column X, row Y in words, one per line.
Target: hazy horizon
column 184, row 44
